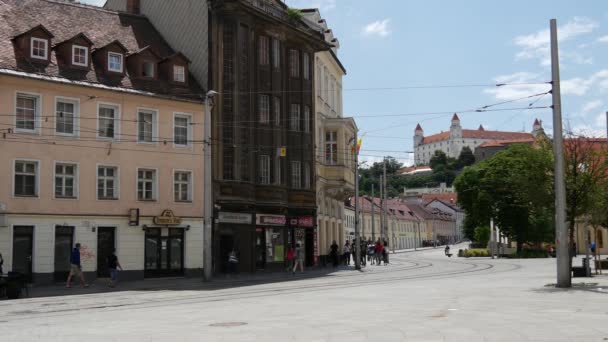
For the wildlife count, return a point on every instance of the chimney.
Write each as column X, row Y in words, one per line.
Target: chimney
column 133, row 6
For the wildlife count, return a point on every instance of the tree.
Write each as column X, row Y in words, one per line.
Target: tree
column 438, row 159
column 514, row 188
column 482, row 235
column 466, row 157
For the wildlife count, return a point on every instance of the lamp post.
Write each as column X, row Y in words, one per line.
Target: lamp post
column 207, row 189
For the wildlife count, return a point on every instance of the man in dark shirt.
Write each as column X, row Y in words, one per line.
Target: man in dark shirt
column 114, row 266
column 75, row 268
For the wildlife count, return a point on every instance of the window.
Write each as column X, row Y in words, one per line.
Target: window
column 146, row 126
column 80, row 55
column 147, row 69
column 331, row 148
column 26, row 112
column 307, row 119
column 306, row 66
column 319, row 84
column 114, row 62
column 39, row 48
column 332, row 94
column 65, row 116
column 179, row 73
column 296, row 176
column 325, row 85
column 107, row 121
column 294, row 117
column 277, row 169
column 26, row 173
column 263, row 50
column 294, row 63
column 264, row 108
column 277, row 110
column 65, row 181
column 146, row 185
column 264, row 169
column 306, row 176
column 181, row 130
column 182, row 185
column 107, row 182
column 276, row 53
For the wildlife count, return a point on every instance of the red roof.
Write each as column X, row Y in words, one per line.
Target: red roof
column 481, row 128
column 455, row 117
column 418, row 128
column 499, row 143
column 536, row 122
column 448, row 197
column 479, row 134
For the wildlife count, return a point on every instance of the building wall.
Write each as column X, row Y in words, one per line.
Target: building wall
column 584, row 232
column 86, row 212
column 458, row 216
column 172, row 19
column 451, row 147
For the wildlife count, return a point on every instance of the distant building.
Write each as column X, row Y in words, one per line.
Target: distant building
column 452, row 142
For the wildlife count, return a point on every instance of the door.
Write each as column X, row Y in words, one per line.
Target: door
column 164, row 255
column 64, row 240
column 260, row 248
column 310, row 247
column 105, row 246
column 23, row 243
column 226, row 245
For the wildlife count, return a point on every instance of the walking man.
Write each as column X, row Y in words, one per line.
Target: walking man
column 75, row 268
column 299, row 259
column 114, row 266
column 347, row 253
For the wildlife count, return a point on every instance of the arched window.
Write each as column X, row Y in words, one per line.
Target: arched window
column 599, row 238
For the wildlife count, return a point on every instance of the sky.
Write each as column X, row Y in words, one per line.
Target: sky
column 409, row 59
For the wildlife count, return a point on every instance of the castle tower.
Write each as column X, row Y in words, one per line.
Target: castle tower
column 537, row 128
column 418, row 136
column 455, row 128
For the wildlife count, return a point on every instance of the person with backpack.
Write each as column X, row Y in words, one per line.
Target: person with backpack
column 113, row 266
column 299, row 257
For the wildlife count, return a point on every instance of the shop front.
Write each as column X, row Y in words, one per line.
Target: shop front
column 164, row 246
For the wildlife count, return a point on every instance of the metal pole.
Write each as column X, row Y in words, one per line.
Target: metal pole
column 492, row 237
column 561, row 232
column 357, row 236
column 373, row 209
column 385, row 204
column 207, row 191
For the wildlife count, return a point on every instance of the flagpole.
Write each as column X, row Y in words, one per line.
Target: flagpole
column 357, row 237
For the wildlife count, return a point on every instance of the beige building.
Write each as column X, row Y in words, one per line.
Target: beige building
column 584, row 234
column 335, row 162
column 437, row 224
column 100, row 141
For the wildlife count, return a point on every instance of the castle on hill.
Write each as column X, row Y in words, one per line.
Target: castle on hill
column 452, row 141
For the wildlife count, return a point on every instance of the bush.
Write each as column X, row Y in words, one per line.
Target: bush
column 531, row 254
column 475, row 253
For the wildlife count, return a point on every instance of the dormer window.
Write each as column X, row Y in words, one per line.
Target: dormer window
column 114, row 62
column 80, row 55
column 39, row 48
column 179, row 73
column 147, row 69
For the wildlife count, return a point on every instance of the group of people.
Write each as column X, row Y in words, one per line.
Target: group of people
column 76, row 268
column 375, row 253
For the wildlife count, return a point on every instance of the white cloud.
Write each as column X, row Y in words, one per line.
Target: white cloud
column 591, row 105
column 603, row 39
column 600, row 120
column 537, row 45
column 377, row 28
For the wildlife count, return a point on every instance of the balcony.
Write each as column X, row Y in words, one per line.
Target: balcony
column 336, row 180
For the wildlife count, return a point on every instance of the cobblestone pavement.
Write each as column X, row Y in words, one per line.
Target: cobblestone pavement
column 421, row 296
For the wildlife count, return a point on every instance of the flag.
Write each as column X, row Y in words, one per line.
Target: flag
column 359, row 142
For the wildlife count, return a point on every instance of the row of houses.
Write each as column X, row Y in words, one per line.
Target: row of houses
column 101, row 135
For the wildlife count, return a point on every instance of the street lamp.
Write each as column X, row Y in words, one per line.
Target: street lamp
column 207, row 188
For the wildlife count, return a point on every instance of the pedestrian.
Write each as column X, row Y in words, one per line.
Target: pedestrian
column 1, row 263
column 299, row 256
column 233, row 262
column 592, row 247
column 574, row 251
column 76, row 268
column 290, row 257
column 447, row 250
column 334, row 253
column 385, row 252
column 113, row 266
column 378, row 252
column 371, row 252
column 363, row 254
column 347, row 253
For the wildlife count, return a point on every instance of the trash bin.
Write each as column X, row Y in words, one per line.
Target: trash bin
column 15, row 282
column 585, row 263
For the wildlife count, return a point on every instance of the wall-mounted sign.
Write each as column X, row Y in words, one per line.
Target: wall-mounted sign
column 270, row 220
column 302, row 221
column 134, row 217
column 167, row 218
column 238, row 218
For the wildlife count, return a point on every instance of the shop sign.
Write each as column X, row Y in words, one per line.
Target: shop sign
column 134, row 217
column 270, row 220
column 167, row 218
column 302, row 221
column 238, row 218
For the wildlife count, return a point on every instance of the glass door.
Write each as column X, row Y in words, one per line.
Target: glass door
column 23, row 242
column 64, row 240
column 164, row 255
column 105, row 248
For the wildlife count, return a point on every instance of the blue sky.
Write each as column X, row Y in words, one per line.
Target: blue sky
column 403, row 43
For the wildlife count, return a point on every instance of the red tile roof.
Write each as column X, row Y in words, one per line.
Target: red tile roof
column 447, row 197
column 478, row 134
column 455, row 117
column 418, row 127
column 500, row 143
column 65, row 20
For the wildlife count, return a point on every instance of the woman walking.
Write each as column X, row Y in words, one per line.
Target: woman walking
column 334, row 253
column 347, row 251
column 299, row 256
column 291, row 254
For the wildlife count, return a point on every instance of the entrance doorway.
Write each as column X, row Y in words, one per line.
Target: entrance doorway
column 64, row 240
column 164, row 255
column 106, row 244
column 23, row 245
column 260, row 248
column 310, row 248
column 226, row 245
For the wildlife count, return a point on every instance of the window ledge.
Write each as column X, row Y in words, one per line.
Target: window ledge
column 26, row 196
column 146, row 200
column 184, row 202
column 66, row 197
column 107, row 199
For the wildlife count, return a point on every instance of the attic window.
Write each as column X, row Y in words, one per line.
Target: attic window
column 148, row 69
column 80, row 55
column 39, row 48
column 114, row 62
column 179, row 73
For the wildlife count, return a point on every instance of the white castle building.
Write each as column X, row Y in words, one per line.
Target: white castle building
column 452, row 141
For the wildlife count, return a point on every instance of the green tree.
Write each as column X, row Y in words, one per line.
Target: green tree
column 514, row 188
column 482, row 235
column 466, row 157
column 438, row 159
